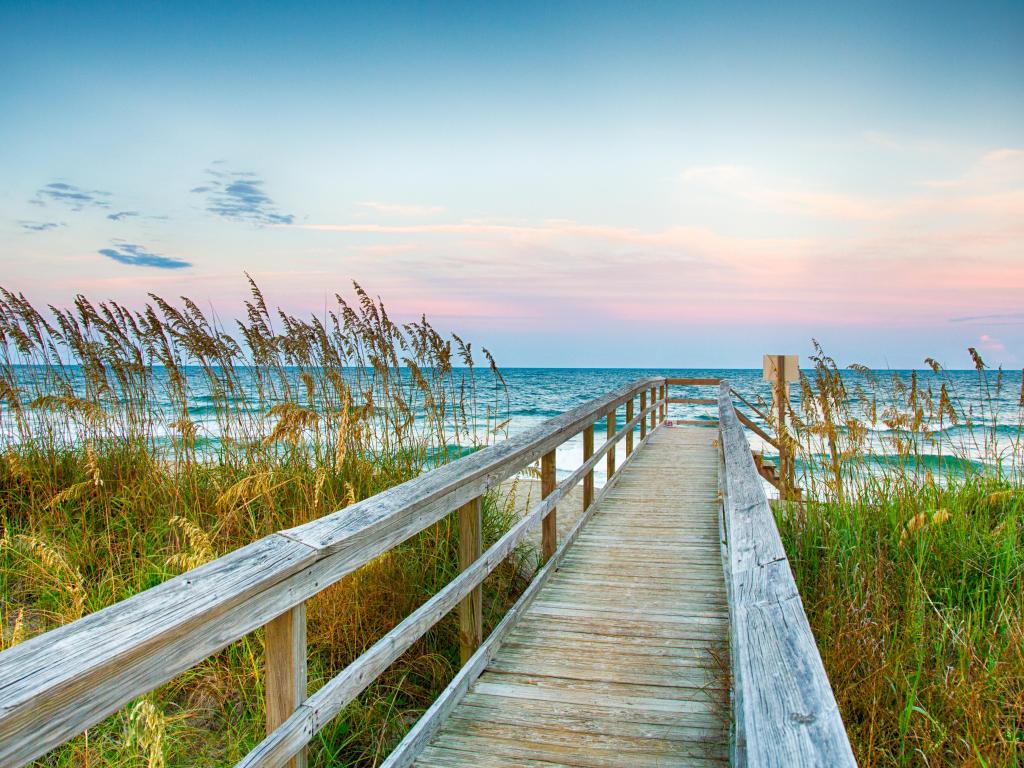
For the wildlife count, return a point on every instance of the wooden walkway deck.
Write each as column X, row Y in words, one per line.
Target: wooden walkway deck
column 663, row 629
column 622, row 657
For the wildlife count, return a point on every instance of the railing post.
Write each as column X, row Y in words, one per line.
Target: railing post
column 643, row 416
column 471, row 612
column 549, row 527
column 664, row 398
column 285, row 674
column 609, row 434
column 629, row 434
column 588, row 479
column 654, row 413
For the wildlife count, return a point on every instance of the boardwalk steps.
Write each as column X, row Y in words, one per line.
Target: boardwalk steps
column 663, row 628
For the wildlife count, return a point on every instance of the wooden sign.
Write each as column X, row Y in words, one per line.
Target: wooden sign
column 790, row 367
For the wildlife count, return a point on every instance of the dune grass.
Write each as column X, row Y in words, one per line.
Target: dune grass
column 912, row 570
column 136, row 446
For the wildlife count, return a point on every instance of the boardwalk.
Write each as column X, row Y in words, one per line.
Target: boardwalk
column 665, row 628
column 622, row 657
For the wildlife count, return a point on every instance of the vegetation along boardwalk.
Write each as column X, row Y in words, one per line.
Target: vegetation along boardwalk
column 664, row 628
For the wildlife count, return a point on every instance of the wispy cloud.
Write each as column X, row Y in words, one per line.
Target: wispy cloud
column 743, row 183
column 999, row 317
column 239, row 196
column 137, row 256
column 40, row 226
column 122, row 215
column 399, row 209
column 70, row 196
column 992, row 186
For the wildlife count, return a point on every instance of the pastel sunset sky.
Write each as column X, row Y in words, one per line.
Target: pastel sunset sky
column 621, row 184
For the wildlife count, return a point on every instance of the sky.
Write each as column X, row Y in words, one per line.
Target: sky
column 568, row 184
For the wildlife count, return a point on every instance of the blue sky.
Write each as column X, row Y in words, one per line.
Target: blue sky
column 578, row 184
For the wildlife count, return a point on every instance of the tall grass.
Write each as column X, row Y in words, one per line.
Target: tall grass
column 139, row 444
column 909, row 557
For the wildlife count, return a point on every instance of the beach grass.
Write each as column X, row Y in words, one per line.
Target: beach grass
column 911, row 570
column 138, row 445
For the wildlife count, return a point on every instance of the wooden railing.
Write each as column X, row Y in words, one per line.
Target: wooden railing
column 784, row 711
column 58, row 684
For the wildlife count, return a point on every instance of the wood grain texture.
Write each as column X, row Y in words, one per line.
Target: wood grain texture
column 419, row 736
column 56, row 685
column 549, row 528
column 621, row 665
column 471, row 611
column 784, row 708
column 629, row 418
column 588, row 479
column 285, row 676
column 331, row 698
column 610, row 423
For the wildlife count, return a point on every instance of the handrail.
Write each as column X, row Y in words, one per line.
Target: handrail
column 785, row 713
column 58, row 684
column 337, row 693
column 749, row 424
column 749, row 404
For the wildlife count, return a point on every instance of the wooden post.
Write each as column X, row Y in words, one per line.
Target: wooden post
column 588, row 479
column 471, row 611
column 780, row 370
column 654, row 413
column 643, row 416
column 285, row 674
column 664, row 403
column 629, row 434
column 549, row 527
column 609, row 434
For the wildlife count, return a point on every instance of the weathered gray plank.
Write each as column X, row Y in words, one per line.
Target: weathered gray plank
column 426, row 727
column 605, row 635
column 784, row 708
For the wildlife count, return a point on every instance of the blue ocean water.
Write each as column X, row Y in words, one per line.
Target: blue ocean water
column 993, row 400
column 536, row 394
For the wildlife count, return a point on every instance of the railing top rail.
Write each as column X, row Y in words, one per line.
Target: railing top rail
column 705, row 382
column 785, row 711
column 57, row 684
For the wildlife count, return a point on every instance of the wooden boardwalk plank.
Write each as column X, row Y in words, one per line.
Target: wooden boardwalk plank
column 622, row 658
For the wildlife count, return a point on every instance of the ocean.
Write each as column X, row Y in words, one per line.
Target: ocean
column 992, row 402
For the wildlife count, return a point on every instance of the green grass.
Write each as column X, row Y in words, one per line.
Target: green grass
column 912, row 578
column 103, row 494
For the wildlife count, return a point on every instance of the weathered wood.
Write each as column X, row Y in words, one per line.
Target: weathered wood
column 694, row 382
column 693, row 400
column 420, row 734
column 533, row 684
column 57, row 684
column 588, row 479
column 549, row 528
column 629, row 420
column 471, row 612
column 326, row 703
column 654, row 414
column 285, row 676
column 643, row 410
column 756, row 429
column 610, row 422
column 784, row 708
column 750, row 405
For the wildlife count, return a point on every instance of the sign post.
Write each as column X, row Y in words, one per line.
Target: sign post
column 780, row 370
